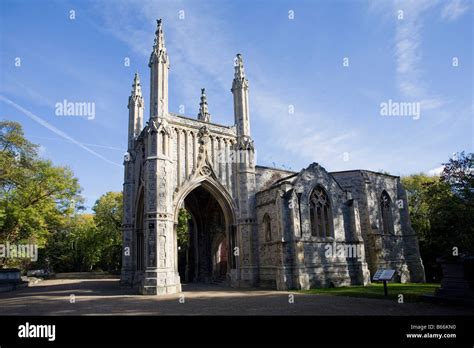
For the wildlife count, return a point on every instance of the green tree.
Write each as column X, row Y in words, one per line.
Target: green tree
column 416, row 187
column 441, row 211
column 452, row 207
column 183, row 228
column 76, row 247
column 108, row 219
column 89, row 242
column 182, row 235
column 36, row 197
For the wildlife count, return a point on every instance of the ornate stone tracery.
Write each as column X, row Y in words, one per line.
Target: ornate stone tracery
column 321, row 214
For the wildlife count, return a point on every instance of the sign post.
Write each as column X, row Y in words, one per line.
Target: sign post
column 384, row 275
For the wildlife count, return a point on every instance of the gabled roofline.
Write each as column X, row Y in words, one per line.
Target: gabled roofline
column 274, row 168
column 364, row 170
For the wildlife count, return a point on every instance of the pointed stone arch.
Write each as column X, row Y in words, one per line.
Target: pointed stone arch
column 221, row 198
column 386, row 213
column 321, row 214
column 215, row 188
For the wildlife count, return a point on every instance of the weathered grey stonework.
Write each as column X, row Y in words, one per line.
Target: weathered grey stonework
column 397, row 248
column 251, row 225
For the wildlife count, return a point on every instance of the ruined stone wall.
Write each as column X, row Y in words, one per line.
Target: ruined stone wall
column 266, row 177
column 298, row 259
column 396, row 249
column 269, row 259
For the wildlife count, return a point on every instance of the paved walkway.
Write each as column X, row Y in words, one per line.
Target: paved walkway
column 105, row 297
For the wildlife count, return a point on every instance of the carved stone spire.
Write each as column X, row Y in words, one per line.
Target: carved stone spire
column 203, row 109
column 135, row 107
column 159, row 43
column 159, row 65
column 241, row 98
column 136, row 88
column 245, row 172
column 239, row 73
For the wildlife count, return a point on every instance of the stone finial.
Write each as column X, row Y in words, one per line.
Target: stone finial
column 136, row 97
column 159, row 36
column 136, row 90
column 239, row 74
column 239, row 67
column 203, row 109
column 158, row 43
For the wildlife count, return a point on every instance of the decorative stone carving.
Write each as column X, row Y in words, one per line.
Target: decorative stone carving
column 152, row 126
column 244, row 143
column 203, row 135
column 206, row 171
column 204, row 114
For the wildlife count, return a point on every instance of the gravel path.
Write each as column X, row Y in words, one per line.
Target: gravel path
column 105, row 297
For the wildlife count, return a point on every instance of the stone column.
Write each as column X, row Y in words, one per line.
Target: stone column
column 300, row 275
column 160, row 270
column 128, row 254
column 135, row 123
column 363, row 273
column 247, row 233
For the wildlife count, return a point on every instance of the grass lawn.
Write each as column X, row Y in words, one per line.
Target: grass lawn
column 411, row 291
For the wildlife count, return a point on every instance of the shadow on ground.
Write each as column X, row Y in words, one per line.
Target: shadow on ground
column 105, row 297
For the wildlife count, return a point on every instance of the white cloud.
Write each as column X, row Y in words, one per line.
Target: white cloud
column 430, row 104
column 453, row 10
column 303, row 136
column 409, row 54
column 408, row 42
column 436, row 171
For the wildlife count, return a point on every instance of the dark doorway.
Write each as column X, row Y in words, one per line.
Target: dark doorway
column 203, row 257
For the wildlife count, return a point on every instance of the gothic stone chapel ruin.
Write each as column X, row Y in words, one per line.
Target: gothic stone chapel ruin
column 250, row 226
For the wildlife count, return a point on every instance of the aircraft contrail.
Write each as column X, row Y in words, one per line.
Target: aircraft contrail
column 55, row 130
column 88, row 144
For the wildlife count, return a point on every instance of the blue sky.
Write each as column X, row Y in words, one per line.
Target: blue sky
column 290, row 63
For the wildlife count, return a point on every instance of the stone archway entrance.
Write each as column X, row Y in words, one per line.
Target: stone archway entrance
column 203, row 257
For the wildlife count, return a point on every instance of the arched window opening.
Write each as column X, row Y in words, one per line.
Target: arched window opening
column 320, row 213
column 386, row 208
column 267, row 225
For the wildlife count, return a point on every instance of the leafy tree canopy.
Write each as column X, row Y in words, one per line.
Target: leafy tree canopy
column 442, row 211
column 35, row 196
